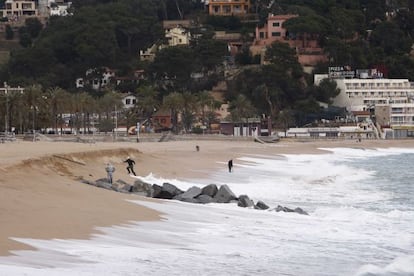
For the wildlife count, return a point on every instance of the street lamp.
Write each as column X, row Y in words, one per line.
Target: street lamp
column 34, row 108
column 138, row 127
column 6, row 115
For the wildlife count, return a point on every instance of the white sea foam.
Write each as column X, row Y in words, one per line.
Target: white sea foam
column 357, row 225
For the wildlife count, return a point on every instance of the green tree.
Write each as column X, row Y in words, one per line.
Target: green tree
column 325, row 91
column 207, row 104
column 306, row 27
column 189, row 110
column 175, row 103
column 9, row 32
column 33, row 26
column 25, row 39
column 147, row 101
column 391, row 38
column 241, row 108
column 285, row 57
column 173, row 66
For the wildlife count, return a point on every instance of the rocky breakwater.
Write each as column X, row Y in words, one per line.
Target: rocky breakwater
column 208, row 194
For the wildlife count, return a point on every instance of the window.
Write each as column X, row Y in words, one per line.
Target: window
column 275, row 34
column 397, row 110
column 276, row 24
column 261, row 35
column 128, row 101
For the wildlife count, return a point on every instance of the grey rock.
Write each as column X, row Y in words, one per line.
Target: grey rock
column 261, row 205
column 301, row 211
column 224, row 195
column 210, row 190
column 204, row 199
column 156, row 191
column 245, row 201
column 103, row 183
column 142, row 187
column 168, row 191
column 298, row 210
column 191, row 193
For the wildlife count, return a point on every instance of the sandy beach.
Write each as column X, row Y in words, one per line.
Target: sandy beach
column 41, row 196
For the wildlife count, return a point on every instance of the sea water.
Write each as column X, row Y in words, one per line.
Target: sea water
column 361, row 222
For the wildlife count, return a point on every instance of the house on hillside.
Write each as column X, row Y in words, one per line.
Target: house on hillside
column 177, row 36
column 307, row 48
column 97, row 78
column 14, row 9
column 59, row 8
column 135, row 78
column 272, row 30
column 162, row 120
column 228, row 7
column 129, row 101
column 149, row 53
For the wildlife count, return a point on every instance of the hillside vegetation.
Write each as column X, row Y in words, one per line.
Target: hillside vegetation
column 361, row 34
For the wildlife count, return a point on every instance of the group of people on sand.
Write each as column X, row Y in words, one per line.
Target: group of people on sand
column 229, row 163
column 110, row 169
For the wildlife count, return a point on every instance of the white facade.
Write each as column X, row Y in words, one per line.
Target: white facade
column 395, row 114
column 363, row 94
column 16, row 8
column 177, row 36
column 59, row 9
column 129, row 101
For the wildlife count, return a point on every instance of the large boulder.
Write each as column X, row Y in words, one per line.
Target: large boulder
column 142, row 187
column 245, row 201
column 122, row 186
column 168, row 191
column 156, row 191
column 210, row 190
column 191, row 193
column 204, row 199
column 289, row 210
column 224, row 195
column 261, row 205
column 103, row 183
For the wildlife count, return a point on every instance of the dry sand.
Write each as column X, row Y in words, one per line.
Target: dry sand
column 41, row 195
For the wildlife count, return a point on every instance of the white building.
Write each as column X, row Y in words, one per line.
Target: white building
column 360, row 94
column 129, row 101
column 13, row 9
column 392, row 100
column 59, row 8
column 177, row 36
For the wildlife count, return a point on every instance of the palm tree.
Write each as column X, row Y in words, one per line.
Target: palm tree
column 189, row 109
column 57, row 98
column 240, row 108
column 147, row 101
column 31, row 102
column 207, row 104
column 174, row 102
column 107, row 104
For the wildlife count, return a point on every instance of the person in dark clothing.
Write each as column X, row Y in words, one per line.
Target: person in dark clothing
column 130, row 167
column 230, row 164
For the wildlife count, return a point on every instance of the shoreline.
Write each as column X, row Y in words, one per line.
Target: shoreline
column 42, row 197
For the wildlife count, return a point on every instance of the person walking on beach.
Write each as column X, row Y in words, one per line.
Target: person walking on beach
column 110, row 169
column 230, row 164
column 130, row 167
